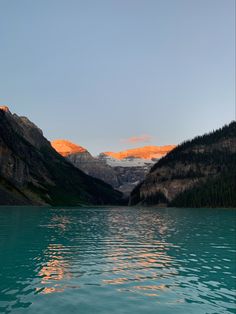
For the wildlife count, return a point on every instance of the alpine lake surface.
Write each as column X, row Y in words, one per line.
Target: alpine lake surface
column 117, row 260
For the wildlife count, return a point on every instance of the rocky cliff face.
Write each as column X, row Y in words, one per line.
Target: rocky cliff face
column 32, row 172
column 187, row 166
column 130, row 171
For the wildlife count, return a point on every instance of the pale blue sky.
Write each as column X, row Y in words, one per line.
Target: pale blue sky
column 97, row 72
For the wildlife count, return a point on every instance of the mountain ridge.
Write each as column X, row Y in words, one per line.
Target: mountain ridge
column 66, row 147
column 144, row 152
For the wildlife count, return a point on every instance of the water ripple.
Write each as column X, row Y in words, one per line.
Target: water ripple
column 117, row 260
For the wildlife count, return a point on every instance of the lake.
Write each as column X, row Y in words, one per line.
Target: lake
column 117, row 260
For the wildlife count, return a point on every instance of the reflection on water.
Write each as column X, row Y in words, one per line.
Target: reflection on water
column 120, row 260
column 54, row 270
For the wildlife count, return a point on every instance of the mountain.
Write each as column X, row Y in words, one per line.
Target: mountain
column 32, row 172
column 200, row 172
column 83, row 160
column 132, row 165
column 123, row 170
column 129, row 171
column 146, row 152
column 66, row 148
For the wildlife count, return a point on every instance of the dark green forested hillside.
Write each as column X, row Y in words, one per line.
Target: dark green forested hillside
column 198, row 173
column 217, row 192
column 221, row 154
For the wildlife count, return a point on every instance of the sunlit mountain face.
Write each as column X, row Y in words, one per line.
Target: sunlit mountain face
column 146, row 152
column 66, row 148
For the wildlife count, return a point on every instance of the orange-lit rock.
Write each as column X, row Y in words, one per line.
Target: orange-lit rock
column 66, row 148
column 4, row 108
column 146, row 152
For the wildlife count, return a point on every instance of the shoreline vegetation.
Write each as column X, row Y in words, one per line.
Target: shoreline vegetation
column 113, row 206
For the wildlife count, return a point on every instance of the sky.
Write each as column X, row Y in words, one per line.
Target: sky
column 116, row 74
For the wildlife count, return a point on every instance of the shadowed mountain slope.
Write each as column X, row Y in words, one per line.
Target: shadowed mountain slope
column 32, row 172
column 83, row 160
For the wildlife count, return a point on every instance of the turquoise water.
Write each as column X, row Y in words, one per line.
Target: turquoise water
column 117, row 260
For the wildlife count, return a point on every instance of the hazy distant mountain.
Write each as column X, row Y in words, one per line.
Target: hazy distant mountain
column 197, row 173
column 32, row 172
